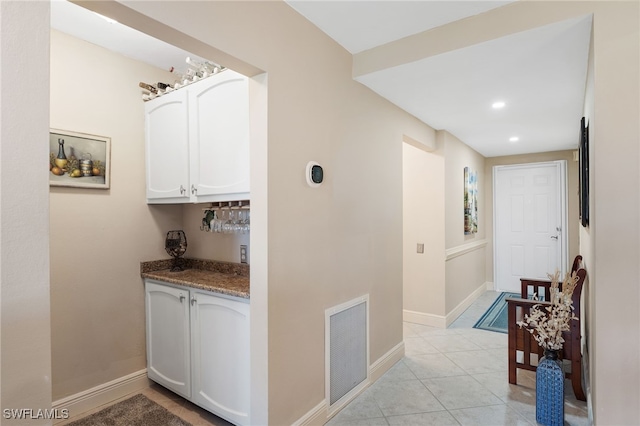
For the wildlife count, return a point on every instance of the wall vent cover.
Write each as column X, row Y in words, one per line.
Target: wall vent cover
column 347, row 352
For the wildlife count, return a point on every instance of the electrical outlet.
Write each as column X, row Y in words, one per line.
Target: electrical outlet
column 420, row 248
column 243, row 254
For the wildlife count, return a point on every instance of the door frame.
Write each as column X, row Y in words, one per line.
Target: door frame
column 561, row 170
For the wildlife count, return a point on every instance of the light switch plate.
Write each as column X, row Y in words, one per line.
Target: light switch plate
column 420, row 248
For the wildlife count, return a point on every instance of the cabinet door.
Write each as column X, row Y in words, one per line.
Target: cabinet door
column 220, row 357
column 167, row 148
column 168, row 344
column 219, row 125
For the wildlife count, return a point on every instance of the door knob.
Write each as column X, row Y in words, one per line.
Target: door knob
column 555, row 237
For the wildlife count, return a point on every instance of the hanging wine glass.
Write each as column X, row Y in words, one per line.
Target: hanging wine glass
column 246, row 226
column 227, row 228
column 237, row 225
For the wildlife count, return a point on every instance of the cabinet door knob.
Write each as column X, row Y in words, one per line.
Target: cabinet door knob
column 193, row 300
column 194, row 190
column 182, row 298
column 182, row 190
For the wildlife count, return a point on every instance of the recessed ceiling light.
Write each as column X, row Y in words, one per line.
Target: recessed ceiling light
column 514, row 139
column 498, row 105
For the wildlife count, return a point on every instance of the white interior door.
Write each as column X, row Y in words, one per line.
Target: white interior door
column 529, row 222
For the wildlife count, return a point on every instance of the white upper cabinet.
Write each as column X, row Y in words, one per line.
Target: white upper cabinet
column 198, row 142
column 167, row 147
column 219, row 119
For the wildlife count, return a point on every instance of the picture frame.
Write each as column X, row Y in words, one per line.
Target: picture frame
column 79, row 160
column 470, row 201
column 583, row 173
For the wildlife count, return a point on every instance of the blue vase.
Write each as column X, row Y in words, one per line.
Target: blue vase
column 550, row 390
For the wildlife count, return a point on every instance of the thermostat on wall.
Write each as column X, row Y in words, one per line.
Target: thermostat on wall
column 315, row 174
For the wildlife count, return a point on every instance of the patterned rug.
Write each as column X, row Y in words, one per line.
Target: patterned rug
column 495, row 319
column 135, row 411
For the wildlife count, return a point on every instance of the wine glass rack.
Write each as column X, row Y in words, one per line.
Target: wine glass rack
column 229, row 205
column 229, row 217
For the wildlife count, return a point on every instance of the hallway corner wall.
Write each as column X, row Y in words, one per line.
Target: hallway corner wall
column 423, row 216
column 465, row 271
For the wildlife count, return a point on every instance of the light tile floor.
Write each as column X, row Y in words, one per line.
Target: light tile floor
column 453, row 376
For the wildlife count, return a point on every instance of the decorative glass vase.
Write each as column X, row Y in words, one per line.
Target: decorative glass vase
column 550, row 390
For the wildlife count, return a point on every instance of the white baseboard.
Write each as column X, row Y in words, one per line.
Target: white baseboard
column 423, row 318
column 316, row 416
column 103, row 394
column 490, row 285
column 440, row 321
column 462, row 306
column 385, row 362
column 587, row 382
column 319, row 414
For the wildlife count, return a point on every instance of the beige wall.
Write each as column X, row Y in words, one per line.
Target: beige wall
column 25, row 357
column 464, row 273
column 209, row 245
column 423, row 213
column 458, row 155
column 99, row 237
column 572, row 196
column 442, row 282
column 614, row 344
column 585, row 240
column 330, row 244
column 294, row 135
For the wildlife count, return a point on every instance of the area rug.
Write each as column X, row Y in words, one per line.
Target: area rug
column 495, row 319
column 135, row 411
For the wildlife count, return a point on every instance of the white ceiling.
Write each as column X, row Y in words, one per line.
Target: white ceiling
column 359, row 25
column 86, row 25
column 540, row 74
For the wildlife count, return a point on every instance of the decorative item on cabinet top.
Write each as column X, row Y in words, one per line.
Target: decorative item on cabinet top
column 232, row 217
column 196, row 70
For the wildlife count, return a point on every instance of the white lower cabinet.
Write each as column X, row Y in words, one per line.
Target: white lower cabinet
column 220, row 356
column 168, row 337
column 198, row 347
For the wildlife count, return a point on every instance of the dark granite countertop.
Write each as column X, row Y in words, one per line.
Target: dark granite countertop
column 221, row 277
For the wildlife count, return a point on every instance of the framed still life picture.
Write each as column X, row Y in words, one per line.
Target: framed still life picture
column 79, row 160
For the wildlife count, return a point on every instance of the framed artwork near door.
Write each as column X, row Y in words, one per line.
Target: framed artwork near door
column 79, row 160
column 583, row 170
column 470, row 201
